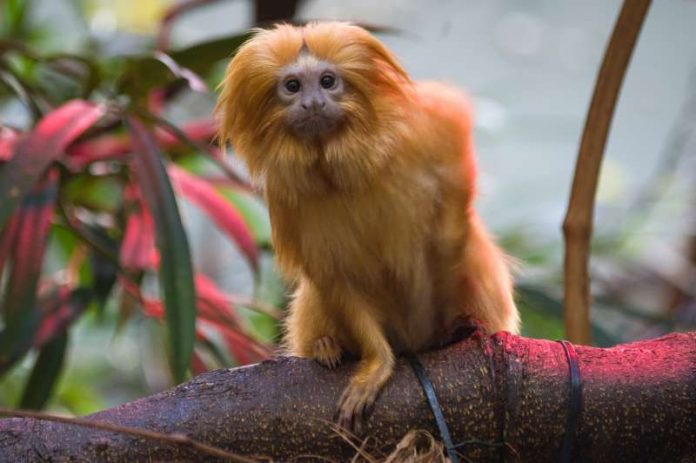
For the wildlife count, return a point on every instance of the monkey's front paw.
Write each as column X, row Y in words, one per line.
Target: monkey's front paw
column 327, row 351
column 355, row 403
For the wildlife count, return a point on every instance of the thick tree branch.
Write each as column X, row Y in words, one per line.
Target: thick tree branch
column 638, row 404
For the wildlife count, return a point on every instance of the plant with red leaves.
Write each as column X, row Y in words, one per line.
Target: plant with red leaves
column 98, row 160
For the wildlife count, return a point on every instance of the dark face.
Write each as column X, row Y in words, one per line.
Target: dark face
column 311, row 90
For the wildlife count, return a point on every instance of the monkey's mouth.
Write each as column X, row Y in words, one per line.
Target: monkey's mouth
column 316, row 125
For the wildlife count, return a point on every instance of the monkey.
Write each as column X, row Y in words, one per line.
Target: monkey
column 370, row 180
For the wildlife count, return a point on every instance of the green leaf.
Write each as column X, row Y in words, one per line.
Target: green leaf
column 61, row 77
column 175, row 272
column 45, row 373
column 103, row 193
column 226, row 218
column 14, row 13
column 199, row 164
column 142, row 74
column 200, row 58
column 253, row 211
column 146, row 72
column 271, row 288
column 78, row 67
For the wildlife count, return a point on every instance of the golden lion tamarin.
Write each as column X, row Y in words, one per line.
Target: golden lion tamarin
column 370, row 179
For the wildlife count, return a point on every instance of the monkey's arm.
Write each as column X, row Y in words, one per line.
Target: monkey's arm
column 376, row 363
column 311, row 331
column 321, row 327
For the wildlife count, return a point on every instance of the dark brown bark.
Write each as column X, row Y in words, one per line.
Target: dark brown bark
column 638, row 405
column 269, row 11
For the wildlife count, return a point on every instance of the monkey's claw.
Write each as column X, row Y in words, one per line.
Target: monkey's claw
column 327, row 351
column 355, row 403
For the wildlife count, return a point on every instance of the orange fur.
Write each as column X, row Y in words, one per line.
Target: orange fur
column 375, row 223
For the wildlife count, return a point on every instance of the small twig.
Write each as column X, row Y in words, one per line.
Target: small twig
column 672, row 154
column 171, row 15
column 350, row 439
column 577, row 226
column 72, row 224
column 176, row 439
column 21, row 89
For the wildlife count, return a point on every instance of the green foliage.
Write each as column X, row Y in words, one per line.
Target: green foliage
column 13, row 18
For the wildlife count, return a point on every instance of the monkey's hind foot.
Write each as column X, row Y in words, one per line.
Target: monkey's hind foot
column 327, row 351
column 356, row 402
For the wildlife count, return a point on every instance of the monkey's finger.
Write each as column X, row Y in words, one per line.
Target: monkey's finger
column 327, row 351
column 346, row 408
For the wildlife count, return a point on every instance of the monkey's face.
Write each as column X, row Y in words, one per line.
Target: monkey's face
column 311, row 90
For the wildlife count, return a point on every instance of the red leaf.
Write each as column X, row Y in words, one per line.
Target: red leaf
column 56, row 311
column 214, row 304
column 113, row 146
column 97, row 149
column 218, row 209
column 8, row 139
column 244, row 349
column 19, row 304
column 59, row 312
column 42, row 146
column 198, row 366
column 156, row 99
column 215, row 310
column 52, row 302
column 138, row 251
column 202, row 130
column 211, row 303
column 153, row 308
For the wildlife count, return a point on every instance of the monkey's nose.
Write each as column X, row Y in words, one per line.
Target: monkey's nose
column 314, row 105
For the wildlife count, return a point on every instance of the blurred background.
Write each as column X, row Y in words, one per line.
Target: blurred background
column 530, row 69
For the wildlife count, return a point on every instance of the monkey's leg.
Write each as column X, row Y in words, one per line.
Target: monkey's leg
column 309, row 331
column 373, row 371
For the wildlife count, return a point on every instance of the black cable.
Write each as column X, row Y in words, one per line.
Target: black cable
column 574, row 402
column 429, row 391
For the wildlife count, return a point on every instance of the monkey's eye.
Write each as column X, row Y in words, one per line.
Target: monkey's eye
column 292, row 85
column 327, row 81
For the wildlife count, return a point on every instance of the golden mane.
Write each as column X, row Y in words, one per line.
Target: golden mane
column 251, row 117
